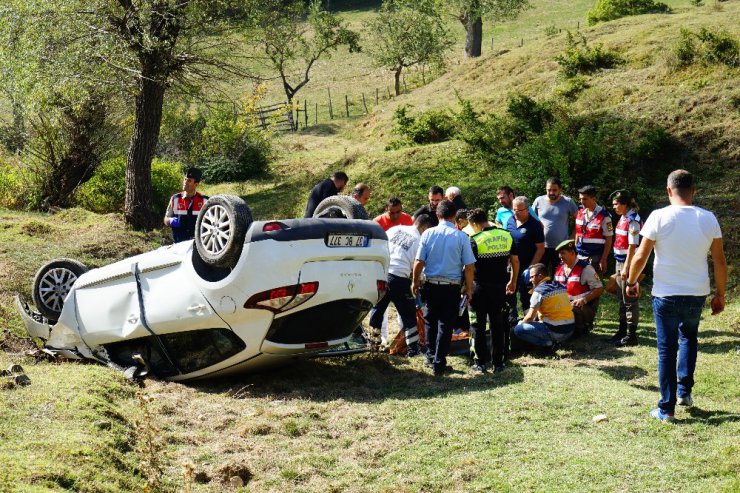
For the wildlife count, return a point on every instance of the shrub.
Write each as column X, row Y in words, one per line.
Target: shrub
column 572, row 87
column 709, row 47
column 15, row 190
column 106, row 191
column 428, row 127
column 579, row 58
column 487, row 136
column 608, row 10
column 529, row 114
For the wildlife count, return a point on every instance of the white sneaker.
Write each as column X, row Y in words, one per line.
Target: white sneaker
column 685, row 401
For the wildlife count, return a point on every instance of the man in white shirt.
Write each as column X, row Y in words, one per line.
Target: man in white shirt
column 403, row 242
column 682, row 235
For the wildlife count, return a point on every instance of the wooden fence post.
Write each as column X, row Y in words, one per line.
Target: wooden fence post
column 331, row 110
column 346, row 104
column 364, row 103
column 316, row 117
column 376, row 100
column 405, row 89
column 389, row 91
column 305, row 115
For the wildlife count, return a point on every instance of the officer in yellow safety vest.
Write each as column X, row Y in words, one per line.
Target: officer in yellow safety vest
column 494, row 250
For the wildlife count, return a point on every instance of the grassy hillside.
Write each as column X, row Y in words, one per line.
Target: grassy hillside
column 384, row 423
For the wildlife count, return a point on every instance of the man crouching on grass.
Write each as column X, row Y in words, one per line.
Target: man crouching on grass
column 682, row 235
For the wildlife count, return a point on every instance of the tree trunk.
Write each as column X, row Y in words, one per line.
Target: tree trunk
column 138, row 209
column 397, row 82
column 473, row 36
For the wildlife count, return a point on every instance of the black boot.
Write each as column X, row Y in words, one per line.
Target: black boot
column 619, row 335
column 631, row 338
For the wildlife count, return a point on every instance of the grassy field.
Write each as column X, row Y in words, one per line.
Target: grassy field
column 379, row 423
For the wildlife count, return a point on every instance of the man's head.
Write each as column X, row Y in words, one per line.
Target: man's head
column 520, row 207
column 587, row 196
column 191, row 180
column 478, row 219
column 452, row 192
column 537, row 273
column 681, row 186
column 361, row 193
column 436, row 195
column 505, row 196
column 553, row 188
column 394, row 208
column 340, row 180
column 461, row 218
column 446, row 210
column 567, row 252
column 423, row 222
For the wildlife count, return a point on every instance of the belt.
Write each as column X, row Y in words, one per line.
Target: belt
column 443, row 282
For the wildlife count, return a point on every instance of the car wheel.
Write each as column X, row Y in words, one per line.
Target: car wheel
column 52, row 284
column 220, row 229
column 340, row 206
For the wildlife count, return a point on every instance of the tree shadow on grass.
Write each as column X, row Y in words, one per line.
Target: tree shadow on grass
column 361, row 378
column 710, row 341
column 713, row 418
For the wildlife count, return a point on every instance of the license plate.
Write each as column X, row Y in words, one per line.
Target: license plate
column 335, row 240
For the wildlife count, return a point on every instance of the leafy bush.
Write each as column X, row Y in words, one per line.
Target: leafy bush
column 530, row 115
column 709, row 47
column 15, row 190
column 488, row 136
column 608, row 10
column 106, row 190
column 572, row 87
column 579, row 58
column 428, row 127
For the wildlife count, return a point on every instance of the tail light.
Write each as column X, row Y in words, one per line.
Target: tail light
column 382, row 288
column 282, row 299
column 273, row 226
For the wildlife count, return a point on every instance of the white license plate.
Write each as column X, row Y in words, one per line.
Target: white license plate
column 346, row 240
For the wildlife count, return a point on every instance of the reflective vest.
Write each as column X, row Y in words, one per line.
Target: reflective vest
column 590, row 234
column 555, row 309
column 187, row 210
column 572, row 282
column 621, row 235
column 492, row 243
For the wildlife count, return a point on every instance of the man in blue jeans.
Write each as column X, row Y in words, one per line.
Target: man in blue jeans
column 682, row 235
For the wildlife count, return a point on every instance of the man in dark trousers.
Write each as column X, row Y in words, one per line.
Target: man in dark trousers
column 325, row 188
column 436, row 195
column 493, row 249
column 183, row 208
column 444, row 253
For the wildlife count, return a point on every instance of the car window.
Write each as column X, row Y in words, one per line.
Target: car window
column 198, row 349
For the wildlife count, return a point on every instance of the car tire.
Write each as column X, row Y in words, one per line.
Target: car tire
column 220, row 230
column 341, row 207
column 52, row 284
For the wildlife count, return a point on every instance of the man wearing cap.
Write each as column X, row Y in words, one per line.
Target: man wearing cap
column 594, row 231
column 549, row 320
column 582, row 284
column 183, row 208
column 446, row 259
column 325, row 188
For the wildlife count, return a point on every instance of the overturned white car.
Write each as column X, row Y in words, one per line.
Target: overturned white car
column 243, row 295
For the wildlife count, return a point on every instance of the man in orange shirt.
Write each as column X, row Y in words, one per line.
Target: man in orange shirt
column 393, row 215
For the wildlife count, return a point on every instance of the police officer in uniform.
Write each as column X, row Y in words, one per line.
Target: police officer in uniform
column 626, row 240
column 594, row 233
column 582, row 284
column 493, row 249
column 183, row 209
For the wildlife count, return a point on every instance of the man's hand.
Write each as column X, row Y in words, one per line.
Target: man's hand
column 633, row 291
column 602, row 266
column 469, row 293
column 718, row 304
column 415, row 286
column 624, row 274
column 578, row 302
column 511, row 287
column 175, row 222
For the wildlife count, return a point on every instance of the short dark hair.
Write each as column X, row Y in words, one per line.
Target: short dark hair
column 424, row 221
column 461, row 214
column 359, row 190
column 538, row 269
column 588, row 190
column 393, row 201
column 506, row 189
column 554, row 180
column 681, row 182
column 341, row 176
column 477, row 216
column 194, row 173
column 446, row 209
column 624, row 197
column 436, row 190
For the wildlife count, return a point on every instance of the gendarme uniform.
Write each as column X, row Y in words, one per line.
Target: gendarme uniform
column 592, row 230
column 626, row 233
column 187, row 209
column 579, row 282
column 492, row 248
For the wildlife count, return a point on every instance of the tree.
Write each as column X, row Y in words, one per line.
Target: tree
column 293, row 36
column 405, row 34
column 143, row 48
column 471, row 13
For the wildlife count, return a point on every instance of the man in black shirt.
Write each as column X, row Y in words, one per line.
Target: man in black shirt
column 494, row 249
column 436, row 195
column 529, row 238
column 325, row 188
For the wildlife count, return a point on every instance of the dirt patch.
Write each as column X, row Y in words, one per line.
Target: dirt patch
column 11, row 343
column 231, row 470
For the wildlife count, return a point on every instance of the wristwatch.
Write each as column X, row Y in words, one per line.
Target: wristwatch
column 630, row 284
